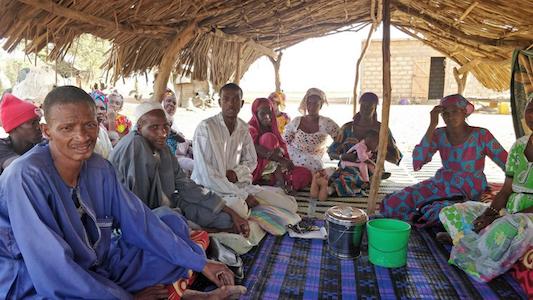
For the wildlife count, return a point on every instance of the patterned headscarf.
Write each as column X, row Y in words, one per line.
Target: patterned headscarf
column 459, row 101
column 310, row 92
column 98, row 95
column 280, row 96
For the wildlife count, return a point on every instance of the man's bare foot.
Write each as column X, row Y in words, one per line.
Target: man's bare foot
column 225, row 292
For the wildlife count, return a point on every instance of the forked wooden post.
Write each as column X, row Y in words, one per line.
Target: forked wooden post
column 384, row 132
column 460, row 79
column 358, row 67
column 277, row 64
column 169, row 58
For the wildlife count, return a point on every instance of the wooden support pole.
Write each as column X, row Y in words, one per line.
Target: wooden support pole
column 238, row 74
column 277, row 64
column 55, row 68
column 358, row 66
column 383, row 132
column 170, row 56
column 460, row 79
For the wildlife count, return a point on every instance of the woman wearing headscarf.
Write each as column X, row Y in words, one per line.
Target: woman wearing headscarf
column 347, row 182
column 306, row 136
column 103, row 142
column 179, row 146
column 278, row 98
column 489, row 238
column 274, row 166
column 462, row 150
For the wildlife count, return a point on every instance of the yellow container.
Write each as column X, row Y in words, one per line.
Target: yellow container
column 504, row 108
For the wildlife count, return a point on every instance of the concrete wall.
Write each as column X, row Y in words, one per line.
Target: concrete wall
column 410, row 69
column 187, row 90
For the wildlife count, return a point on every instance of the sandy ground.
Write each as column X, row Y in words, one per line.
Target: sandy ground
column 407, row 122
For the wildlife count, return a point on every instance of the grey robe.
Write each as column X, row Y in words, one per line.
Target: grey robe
column 157, row 179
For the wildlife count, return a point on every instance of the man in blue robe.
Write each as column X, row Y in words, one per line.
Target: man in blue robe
column 69, row 229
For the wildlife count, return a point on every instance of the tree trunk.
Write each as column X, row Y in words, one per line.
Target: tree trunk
column 461, row 80
column 169, row 58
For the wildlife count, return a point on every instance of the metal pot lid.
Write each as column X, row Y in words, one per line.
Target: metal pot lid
column 348, row 214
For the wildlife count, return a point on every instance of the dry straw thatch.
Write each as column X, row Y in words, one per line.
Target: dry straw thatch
column 479, row 35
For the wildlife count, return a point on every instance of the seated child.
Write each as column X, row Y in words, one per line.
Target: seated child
column 364, row 150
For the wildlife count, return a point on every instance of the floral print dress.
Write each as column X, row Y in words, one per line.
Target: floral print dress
column 497, row 247
column 307, row 149
column 461, row 176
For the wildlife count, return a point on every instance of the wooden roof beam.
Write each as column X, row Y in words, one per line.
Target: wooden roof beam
column 248, row 42
column 77, row 15
column 455, row 32
column 467, row 11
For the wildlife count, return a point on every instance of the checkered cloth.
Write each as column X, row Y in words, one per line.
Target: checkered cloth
column 286, row 268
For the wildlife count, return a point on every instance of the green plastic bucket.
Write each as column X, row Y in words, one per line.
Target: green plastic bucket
column 387, row 242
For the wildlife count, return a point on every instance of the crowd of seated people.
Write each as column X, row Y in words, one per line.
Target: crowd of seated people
column 133, row 220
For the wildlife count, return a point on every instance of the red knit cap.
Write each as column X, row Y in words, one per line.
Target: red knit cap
column 14, row 112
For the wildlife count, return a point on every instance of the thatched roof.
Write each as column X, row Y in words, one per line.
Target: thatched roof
column 480, row 35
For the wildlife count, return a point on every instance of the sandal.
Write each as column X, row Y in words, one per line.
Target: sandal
column 444, row 238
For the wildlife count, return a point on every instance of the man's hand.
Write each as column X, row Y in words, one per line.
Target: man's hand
column 218, row 273
column 483, row 221
column 251, row 201
column 240, row 225
column 232, row 176
column 152, row 293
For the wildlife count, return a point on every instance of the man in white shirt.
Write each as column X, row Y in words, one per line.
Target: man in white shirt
column 225, row 157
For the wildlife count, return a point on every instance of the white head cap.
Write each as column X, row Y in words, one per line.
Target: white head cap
column 146, row 107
